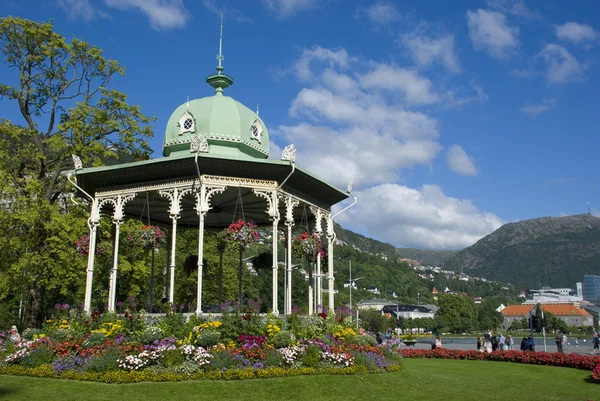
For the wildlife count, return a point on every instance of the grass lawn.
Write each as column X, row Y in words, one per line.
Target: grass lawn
column 421, row 379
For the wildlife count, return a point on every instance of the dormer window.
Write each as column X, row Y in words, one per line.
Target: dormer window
column 187, row 123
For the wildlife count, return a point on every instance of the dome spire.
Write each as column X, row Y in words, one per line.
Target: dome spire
column 220, row 81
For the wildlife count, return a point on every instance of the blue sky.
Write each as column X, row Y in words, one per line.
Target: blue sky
column 452, row 117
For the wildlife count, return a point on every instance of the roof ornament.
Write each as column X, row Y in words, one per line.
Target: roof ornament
column 77, row 162
column 199, row 144
column 187, row 103
column 350, row 184
column 289, row 153
column 220, row 81
column 257, row 109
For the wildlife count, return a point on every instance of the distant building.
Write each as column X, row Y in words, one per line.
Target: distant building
column 553, row 296
column 591, row 289
column 374, row 290
column 477, row 300
column 570, row 314
column 409, row 311
column 377, row 304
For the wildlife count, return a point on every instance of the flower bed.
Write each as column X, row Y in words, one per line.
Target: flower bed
column 578, row 361
column 125, row 349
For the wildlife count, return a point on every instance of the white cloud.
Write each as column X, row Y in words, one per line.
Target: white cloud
column 230, row 12
column 514, row 7
column 562, row 66
column 163, row 14
column 489, row 31
column 522, row 73
column 363, row 154
column 80, row 9
column 535, row 109
column 426, row 50
column 380, row 13
column 287, row 8
column 333, row 58
column 575, row 33
column 422, row 218
column 416, row 90
column 356, row 120
column 460, row 162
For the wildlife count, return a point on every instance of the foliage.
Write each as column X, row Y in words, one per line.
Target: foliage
column 373, row 321
column 67, row 107
column 457, row 313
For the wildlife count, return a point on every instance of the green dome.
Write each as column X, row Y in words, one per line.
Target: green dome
column 231, row 129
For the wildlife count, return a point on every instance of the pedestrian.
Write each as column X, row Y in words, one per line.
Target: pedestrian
column 379, row 339
column 559, row 343
column 595, row 343
column 531, row 346
column 494, row 344
column 509, row 343
column 14, row 336
column 479, row 344
column 487, row 343
column 564, row 341
column 524, row 344
column 438, row 342
column 501, row 342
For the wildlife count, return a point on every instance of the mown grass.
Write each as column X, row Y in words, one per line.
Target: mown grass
column 421, row 379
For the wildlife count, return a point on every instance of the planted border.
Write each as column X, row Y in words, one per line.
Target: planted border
column 577, row 361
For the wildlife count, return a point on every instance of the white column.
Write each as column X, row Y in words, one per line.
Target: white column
column 93, row 223
column 275, row 306
column 200, row 262
column 310, row 298
column 289, row 267
column 330, row 237
column 112, row 286
column 319, row 288
column 172, row 267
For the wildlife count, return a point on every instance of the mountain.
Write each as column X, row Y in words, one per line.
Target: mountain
column 365, row 244
column 548, row 251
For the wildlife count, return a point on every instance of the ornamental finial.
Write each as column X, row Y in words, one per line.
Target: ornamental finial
column 289, row 153
column 220, row 81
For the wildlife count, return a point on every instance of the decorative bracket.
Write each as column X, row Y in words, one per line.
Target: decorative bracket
column 175, row 196
column 330, row 232
column 319, row 216
column 118, row 204
column 289, row 153
column 272, row 202
column 199, row 144
column 203, row 197
column 290, row 204
column 77, row 162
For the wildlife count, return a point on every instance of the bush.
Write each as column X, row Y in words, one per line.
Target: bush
column 172, row 358
column 208, row 338
column 373, row 321
column 312, row 357
column 223, row 360
column 173, row 325
column 282, row 339
column 38, row 356
column 364, row 340
column 94, row 340
column 105, row 362
column 150, row 334
column 28, row 334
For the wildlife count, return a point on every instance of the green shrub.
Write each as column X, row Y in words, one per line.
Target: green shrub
column 223, row 360
column 60, row 334
column 273, row 358
column 94, row 339
column 364, row 340
column 105, row 362
column 231, row 327
column 172, row 358
column 39, row 356
column 208, row 338
column 173, row 325
column 312, row 357
column 282, row 339
column 186, row 368
column 28, row 334
column 150, row 334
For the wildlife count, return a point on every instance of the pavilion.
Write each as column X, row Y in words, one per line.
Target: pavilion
column 215, row 154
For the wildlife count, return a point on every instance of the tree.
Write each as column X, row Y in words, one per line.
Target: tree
column 457, row 313
column 63, row 95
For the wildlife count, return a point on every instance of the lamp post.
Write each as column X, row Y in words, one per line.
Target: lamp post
column 221, row 245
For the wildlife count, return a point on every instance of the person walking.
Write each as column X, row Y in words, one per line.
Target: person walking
column 509, row 343
column 559, row 343
column 438, row 342
column 595, row 344
column 501, row 342
column 479, row 344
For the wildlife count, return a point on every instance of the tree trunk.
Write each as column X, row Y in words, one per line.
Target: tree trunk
column 34, row 315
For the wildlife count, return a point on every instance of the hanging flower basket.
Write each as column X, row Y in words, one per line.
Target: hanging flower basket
column 241, row 234
column 83, row 246
column 147, row 237
column 307, row 246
